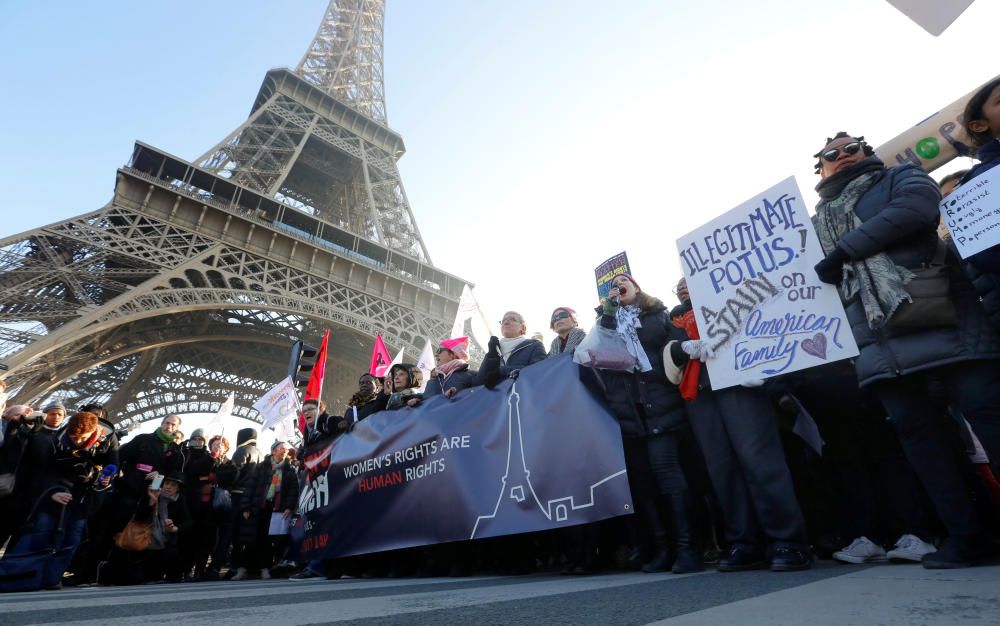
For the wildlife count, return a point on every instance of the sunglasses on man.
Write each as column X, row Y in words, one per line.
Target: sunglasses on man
column 851, row 148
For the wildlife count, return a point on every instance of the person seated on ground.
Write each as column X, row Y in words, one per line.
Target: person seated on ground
column 566, row 326
column 452, row 373
column 166, row 508
column 511, row 352
column 406, row 381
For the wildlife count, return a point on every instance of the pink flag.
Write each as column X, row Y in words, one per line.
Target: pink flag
column 380, row 358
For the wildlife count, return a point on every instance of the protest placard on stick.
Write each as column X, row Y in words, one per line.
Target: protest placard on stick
column 755, row 295
column 972, row 213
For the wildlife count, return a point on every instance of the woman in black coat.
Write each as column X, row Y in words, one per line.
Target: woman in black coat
column 877, row 226
column 452, row 373
column 272, row 489
column 650, row 411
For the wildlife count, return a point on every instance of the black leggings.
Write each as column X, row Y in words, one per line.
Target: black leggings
column 971, row 389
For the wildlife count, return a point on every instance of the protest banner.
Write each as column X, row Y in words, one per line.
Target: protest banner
column 278, row 404
column 756, row 297
column 972, row 213
column 606, row 272
column 536, row 453
column 932, row 142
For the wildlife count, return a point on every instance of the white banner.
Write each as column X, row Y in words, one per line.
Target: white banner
column 278, row 404
column 756, row 296
column 972, row 213
column 217, row 426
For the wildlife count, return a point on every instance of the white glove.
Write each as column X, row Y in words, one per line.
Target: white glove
column 755, row 382
column 698, row 349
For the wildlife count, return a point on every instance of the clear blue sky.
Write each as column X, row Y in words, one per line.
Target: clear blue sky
column 543, row 136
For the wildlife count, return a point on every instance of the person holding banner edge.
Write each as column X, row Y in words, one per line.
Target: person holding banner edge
column 650, row 410
column 877, row 226
column 510, row 352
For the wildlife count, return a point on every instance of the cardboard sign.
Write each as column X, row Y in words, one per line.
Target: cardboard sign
column 972, row 213
column 756, row 296
column 606, row 272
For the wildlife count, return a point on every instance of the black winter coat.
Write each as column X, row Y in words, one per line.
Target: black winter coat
column 662, row 408
column 899, row 215
column 255, row 490
column 460, row 379
column 527, row 352
column 143, row 454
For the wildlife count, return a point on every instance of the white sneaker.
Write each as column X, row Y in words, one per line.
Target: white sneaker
column 265, row 574
column 241, row 574
column 861, row 550
column 910, row 548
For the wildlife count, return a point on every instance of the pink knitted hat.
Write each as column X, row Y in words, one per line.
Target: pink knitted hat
column 459, row 346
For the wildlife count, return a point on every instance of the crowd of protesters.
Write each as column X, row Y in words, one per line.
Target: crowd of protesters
column 904, row 468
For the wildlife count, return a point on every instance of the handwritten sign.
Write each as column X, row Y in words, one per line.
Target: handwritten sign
column 756, row 296
column 606, row 272
column 972, row 213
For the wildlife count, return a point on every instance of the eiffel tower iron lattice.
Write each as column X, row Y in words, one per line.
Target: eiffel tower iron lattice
column 195, row 279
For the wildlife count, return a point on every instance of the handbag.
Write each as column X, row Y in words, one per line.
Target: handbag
column 932, row 305
column 8, row 479
column 137, row 536
column 221, row 500
column 604, row 349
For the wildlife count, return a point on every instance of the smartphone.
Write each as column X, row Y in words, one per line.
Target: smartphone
column 157, row 482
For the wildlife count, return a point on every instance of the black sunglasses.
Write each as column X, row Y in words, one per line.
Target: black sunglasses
column 561, row 315
column 849, row 149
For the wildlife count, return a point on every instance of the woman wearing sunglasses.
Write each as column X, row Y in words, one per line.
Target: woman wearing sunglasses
column 878, row 226
column 568, row 331
column 452, row 373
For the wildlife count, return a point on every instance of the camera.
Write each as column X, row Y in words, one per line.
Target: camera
column 36, row 418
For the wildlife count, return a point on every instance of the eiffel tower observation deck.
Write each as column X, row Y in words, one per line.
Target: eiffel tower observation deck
column 195, row 279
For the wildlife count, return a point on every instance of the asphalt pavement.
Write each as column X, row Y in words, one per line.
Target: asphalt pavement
column 828, row 594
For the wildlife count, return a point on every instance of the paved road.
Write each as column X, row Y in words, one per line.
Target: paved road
column 829, row 594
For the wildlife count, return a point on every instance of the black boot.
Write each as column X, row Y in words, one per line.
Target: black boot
column 688, row 548
column 663, row 560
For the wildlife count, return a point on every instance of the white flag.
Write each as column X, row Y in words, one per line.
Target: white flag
column 218, row 423
column 471, row 321
column 426, row 361
column 397, row 360
column 279, row 403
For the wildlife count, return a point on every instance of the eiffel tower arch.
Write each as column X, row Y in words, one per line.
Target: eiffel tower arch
column 195, row 278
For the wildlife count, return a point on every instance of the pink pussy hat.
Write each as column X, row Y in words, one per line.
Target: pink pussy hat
column 459, row 346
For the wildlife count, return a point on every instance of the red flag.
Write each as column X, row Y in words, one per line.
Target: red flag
column 315, row 387
column 380, row 358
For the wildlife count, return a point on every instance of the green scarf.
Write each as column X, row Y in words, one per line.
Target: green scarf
column 878, row 281
column 164, row 438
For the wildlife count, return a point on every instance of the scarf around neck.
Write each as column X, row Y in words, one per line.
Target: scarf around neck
column 628, row 322
column 449, row 368
column 164, row 438
column 507, row 345
column 878, row 281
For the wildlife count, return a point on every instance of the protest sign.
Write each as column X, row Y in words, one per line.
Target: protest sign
column 972, row 213
column 756, row 297
column 606, row 272
column 536, row 453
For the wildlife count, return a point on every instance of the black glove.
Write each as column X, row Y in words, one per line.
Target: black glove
column 831, row 269
column 494, row 347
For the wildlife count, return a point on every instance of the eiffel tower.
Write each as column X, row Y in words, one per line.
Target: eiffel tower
column 195, row 279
